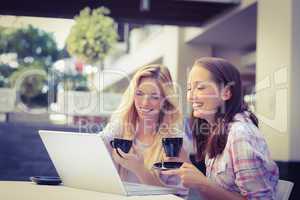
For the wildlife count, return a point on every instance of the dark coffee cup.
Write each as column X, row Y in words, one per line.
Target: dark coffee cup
column 122, row 144
column 172, row 146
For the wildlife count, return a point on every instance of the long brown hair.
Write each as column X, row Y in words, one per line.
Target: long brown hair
column 211, row 140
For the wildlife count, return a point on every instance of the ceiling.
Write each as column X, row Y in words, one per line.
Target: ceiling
column 172, row 12
column 237, row 31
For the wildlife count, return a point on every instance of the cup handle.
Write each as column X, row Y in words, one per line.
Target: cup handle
column 119, row 153
column 112, row 144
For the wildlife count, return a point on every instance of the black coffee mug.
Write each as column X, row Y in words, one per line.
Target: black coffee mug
column 172, row 146
column 122, row 144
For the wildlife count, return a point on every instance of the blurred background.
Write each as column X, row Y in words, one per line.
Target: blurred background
column 59, row 72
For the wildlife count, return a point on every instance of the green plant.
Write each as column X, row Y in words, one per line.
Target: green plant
column 3, row 81
column 29, row 82
column 92, row 36
column 26, row 55
column 30, row 44
column 25, row 69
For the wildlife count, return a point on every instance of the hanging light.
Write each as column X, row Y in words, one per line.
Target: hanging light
column 145, row 5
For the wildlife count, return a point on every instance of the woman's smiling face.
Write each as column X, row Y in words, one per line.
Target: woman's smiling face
column 203, row 93
column 148, row 99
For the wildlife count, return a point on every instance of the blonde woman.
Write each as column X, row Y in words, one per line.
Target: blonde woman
column 149, row 110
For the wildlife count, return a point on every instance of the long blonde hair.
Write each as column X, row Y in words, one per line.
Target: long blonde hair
column 170, row 112
column 169, row 118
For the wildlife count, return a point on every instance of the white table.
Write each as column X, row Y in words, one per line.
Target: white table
column 17, row 190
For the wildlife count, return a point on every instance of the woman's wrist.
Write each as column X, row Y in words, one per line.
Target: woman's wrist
column 146, row 177
column 141, row 172
column 205, row 185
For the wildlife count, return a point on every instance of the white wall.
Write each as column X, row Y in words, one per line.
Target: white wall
column 277, row 72
column 295, row 83
column 187, row 54
column 161, row 45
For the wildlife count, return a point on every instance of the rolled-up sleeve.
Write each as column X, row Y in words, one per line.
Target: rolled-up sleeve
column 256, row 174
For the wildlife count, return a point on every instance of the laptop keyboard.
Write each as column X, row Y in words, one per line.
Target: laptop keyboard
column 136, row 189
column 142, row 187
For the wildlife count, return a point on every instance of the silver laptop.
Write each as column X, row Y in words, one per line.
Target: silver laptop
column 83, row 161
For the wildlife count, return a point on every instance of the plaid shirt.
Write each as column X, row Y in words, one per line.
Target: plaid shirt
column 245, row 166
